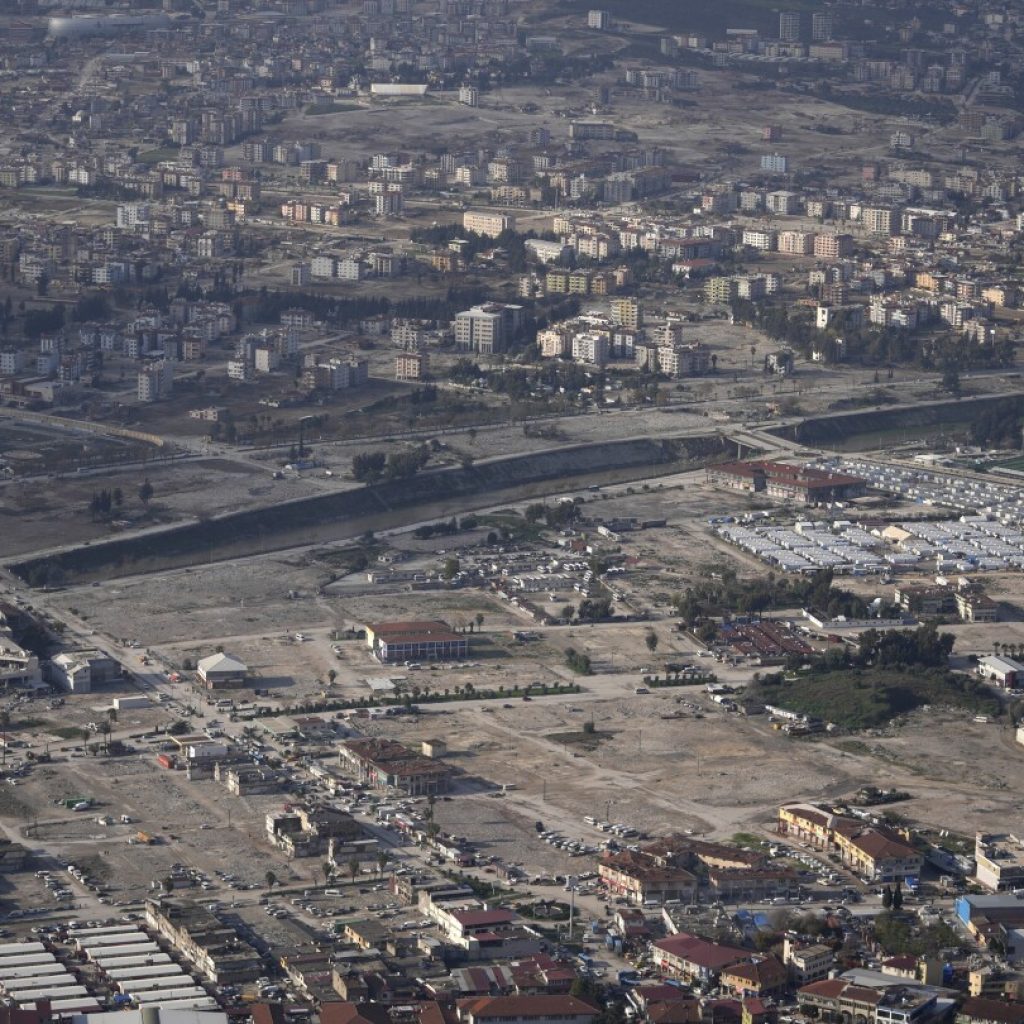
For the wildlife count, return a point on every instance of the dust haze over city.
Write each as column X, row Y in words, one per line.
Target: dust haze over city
column 511, row 512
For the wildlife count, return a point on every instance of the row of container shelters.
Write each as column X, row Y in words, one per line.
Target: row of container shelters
column 23, row 970
column 189, row 1004
column 109, row 954
column 140, row 960
column 129, row 938
column 31, row 995
column 176, row 995
column 27, row 959
column 132, row 986
column 16, row 948
column 13, row 975
column 50, row 982
column 144, row 971
column 106, row 929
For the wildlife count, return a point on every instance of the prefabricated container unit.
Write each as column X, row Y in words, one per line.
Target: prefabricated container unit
column 166, row 981
column 120, row 939
column 65, row 985
column 31, row 995
column 158, row 998
column 189, row 1004
column 26, row 960
column 154, row 971
column 101, row 954
column 8, row 974
column 141, row 960
column 74, row 1005
column 106, row 929
column 12, row 948
column 125, row 977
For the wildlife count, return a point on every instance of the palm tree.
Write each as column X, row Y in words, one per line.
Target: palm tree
column 382, row 861
column 328, row 870
column 353, row 868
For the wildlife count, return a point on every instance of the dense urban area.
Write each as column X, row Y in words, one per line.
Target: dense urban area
column 511, row 512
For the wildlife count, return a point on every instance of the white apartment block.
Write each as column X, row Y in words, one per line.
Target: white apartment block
column 490, row 224
column 757, row 238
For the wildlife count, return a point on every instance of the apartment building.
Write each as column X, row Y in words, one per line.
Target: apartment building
column 641, row 877
column 877, row 854
column 831, row 246
column 759, row 238
column 782, row 203
column 796, row 243
column 155, row 381
column 411, row 366
column 627, row 312
column 999, row 860
column 806, row 963
column 489, row 328
column 879, row 220
column 482, row 222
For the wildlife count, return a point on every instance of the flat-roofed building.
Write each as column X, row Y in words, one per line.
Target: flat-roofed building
column 386, row 764
column 426, row 640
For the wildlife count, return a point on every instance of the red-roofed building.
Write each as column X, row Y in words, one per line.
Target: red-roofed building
column 484, row 934
column 761, row 978
column 408, row 1012
column 789, row 483
column 990, row 1011
column 877, row 854
column 420, row 640
column 695, row 958
column 527, row 1010
column 838, row 1000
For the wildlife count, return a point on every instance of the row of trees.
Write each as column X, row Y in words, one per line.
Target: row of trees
column 369, row 467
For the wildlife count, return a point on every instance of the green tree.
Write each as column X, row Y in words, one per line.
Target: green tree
column 353, row 868
column 887, row 898
column 145, row 491
column 451, row 567
column 382, row 862
column 271, row 879
column 651, row 640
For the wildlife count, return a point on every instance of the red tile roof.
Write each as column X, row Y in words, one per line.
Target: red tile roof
column 700, row 952
column 525, row 1006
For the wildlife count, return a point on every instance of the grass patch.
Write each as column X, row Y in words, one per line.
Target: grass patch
column 154, row 156
column 512, row 527
column 853, row 746
column 30, row 723
column 582, row 739
column 857, row 699
column 316, row 109
column 66, row 732
column 1014, row 464
column 748, row 840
